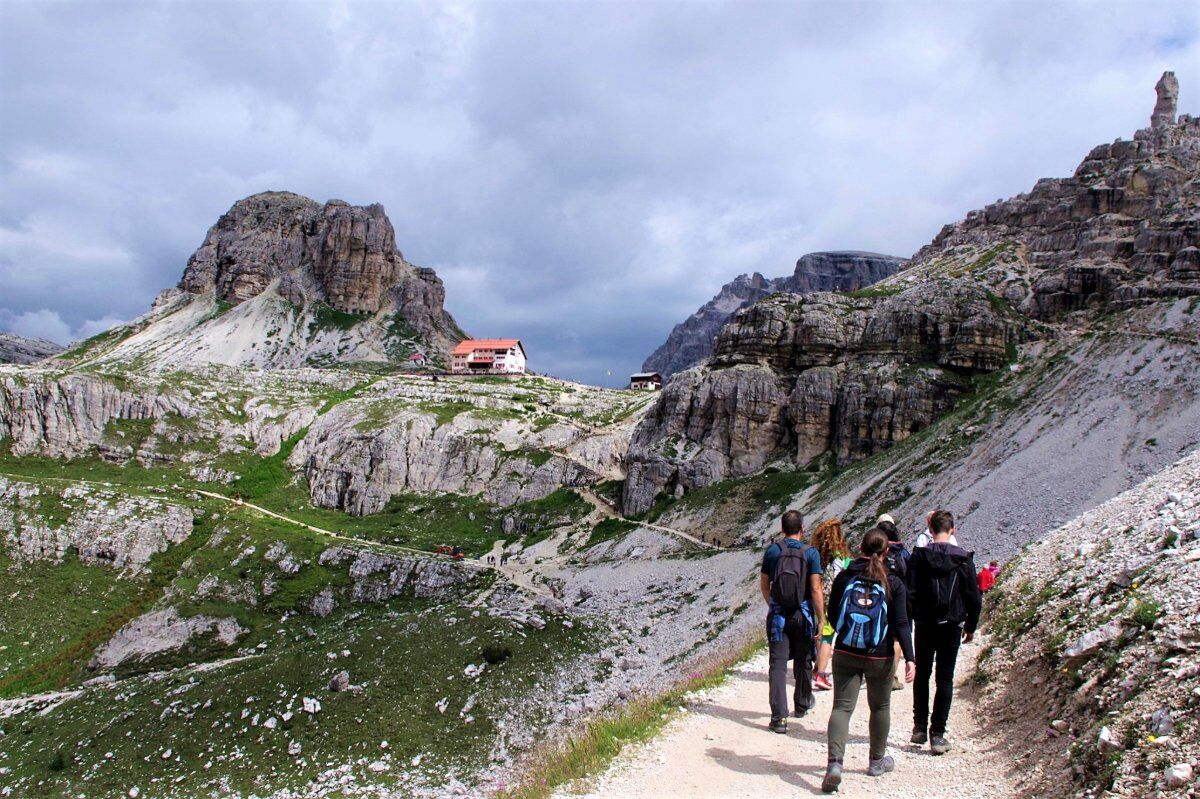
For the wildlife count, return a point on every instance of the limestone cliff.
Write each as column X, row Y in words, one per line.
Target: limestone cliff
column 796, row 376
column 691, row 341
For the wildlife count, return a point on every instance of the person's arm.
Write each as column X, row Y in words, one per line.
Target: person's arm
column 764, row 579
column 972, row 601
column 898, row 610
column 817, row 592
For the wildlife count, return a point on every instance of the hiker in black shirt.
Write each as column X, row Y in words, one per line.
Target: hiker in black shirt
column 945, row 600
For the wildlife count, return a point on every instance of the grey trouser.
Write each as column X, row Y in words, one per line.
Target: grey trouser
column 849, row 672
column 798, row 649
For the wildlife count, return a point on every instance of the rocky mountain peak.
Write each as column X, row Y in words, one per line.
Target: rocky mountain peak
column 337, row 253
column 284, row 281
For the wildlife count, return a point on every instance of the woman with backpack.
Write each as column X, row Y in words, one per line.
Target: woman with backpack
column 830, row 543
column 869, row 611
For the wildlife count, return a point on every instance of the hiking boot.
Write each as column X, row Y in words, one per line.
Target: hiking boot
column 779, row 726
column 919, row 736
column 883, row 765
column 833, row 777
column 938, row 744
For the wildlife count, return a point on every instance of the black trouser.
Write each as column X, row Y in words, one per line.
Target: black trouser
column 935, row 642
column 799, row 649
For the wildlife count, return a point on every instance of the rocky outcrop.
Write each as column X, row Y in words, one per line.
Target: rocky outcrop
column 1096, row 691
column 15, row 349
column 357, row 465
column 801, row 375
column 1167, row 90
column 378, row 577
column 97, row 526
column 160, row 632
column 691, row 341
column 70, row 415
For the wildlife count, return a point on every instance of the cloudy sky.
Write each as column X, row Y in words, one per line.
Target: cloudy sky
column 581, row 175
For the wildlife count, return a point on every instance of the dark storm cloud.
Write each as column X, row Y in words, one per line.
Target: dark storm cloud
column 582, row 175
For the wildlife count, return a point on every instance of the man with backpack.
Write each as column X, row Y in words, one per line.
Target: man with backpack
column 791, row 587
column 946, row 603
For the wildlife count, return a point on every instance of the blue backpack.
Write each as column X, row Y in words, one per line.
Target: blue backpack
column 863, row 617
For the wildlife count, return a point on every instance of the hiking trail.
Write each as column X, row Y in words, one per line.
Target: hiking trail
column 721, row 749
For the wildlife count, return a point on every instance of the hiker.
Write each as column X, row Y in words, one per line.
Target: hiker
column 830, row 542
column 898, row 554
column 925, row 537
column 994, row 568
column 897, row 563
column 986, row 580
column 946, row 602
column 791, row 587
column 869, row 606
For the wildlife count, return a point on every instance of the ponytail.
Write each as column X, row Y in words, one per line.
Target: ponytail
column 875, row 548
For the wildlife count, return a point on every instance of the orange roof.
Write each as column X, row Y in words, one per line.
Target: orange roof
column 473, row 344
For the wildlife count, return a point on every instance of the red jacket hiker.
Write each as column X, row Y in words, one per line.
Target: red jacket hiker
column 987, row 580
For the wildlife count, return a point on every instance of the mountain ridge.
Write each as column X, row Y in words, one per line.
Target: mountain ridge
column 691, row 341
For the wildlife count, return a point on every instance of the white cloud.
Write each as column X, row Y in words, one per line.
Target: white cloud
column 47, row 324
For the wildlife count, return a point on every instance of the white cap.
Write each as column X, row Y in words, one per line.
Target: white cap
column 887, row 517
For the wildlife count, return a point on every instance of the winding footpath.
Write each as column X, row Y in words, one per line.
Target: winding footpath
column 721, row 749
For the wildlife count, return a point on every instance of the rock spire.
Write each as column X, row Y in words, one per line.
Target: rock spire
column 1167, row 89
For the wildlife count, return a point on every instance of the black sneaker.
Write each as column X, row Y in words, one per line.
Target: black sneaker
column 919, row 736
column 833, row 778
column 779, row 726
column 938, row 745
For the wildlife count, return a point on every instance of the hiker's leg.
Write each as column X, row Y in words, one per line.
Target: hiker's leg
column 879, row 699
column 947, row 656
column 926, row 646
column 778, row 652
column 824, row 653
column 847, row 679
column 802, row 699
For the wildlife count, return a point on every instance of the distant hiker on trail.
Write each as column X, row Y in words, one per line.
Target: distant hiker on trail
column 830, row 542
column 986, row 580
column 869, row 606
column 946, row 603
column 925, row 538
column 897, row 562
column 898, row 554
column 791, row 587
column 994, row 568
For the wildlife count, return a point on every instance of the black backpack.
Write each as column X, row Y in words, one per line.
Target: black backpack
column 945, row 597
column 789, row 586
